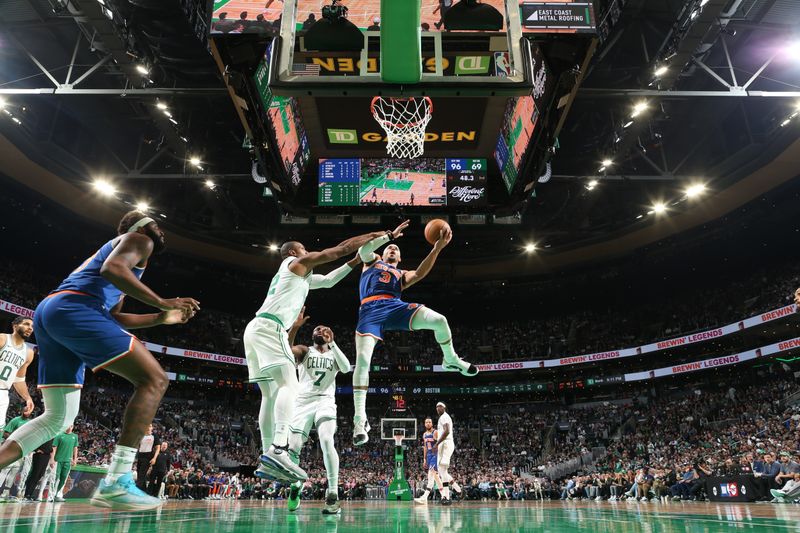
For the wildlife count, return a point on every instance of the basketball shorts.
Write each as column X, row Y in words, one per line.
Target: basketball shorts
column 445, row 451
column 73, row 331
column 312, row 411
column 266, row 346
column 431, row 461
column 385, row 315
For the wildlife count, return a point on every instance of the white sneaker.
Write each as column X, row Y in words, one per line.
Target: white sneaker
column 422, row 500
column 360, row 432
column 456, row 364
column 278, row 460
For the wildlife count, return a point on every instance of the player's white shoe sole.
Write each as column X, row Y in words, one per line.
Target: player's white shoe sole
column 360, row 434
column 123, row 495
column 279, row 462
column 456, row 364
column 421, row 501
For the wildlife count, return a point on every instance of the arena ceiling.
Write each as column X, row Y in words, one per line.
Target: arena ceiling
column 83, row 110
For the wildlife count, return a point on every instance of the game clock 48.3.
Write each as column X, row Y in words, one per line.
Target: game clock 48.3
column 466, row 181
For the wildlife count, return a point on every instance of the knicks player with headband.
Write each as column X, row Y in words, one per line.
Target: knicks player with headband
column 382, row 283
column 81, row 324
column 15, row 356
column 270, row 362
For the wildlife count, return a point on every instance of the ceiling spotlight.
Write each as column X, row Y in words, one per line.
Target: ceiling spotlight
column 195, row 161
column 141, row 69
column 593, row 183
column 161, row 105
column 15, row 119
column 660, row 71
column 184, row 139
column 607, row 162
column 696, row 190
column 638, row 108
column 173, row 121
column 166, row 112
column 104, row 187
column 785, row 123
column 273, row 248
column 530, row 247
column 2, row 103
column 659, row 208
column 143, row 206
column 209, row 183
column 627, row 124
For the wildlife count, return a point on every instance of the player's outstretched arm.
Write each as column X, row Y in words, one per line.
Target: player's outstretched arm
column 149, row 320
column 342, row 362
column 311, row 260
column 21, row 387
column 367, row 252
column 132, row 249
column 319, row 281
column 415, row 276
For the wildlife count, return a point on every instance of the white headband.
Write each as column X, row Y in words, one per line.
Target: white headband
column 442, row 404
column 140, row 224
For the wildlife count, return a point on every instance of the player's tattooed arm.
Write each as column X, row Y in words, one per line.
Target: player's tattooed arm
column 412, row 277
column 134, row 249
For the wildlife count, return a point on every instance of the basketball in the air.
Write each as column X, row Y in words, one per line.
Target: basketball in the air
column 434, row 228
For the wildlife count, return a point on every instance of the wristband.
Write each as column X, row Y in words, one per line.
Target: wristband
column 19, row 379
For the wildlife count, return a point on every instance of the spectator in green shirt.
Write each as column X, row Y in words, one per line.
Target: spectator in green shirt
column 64, row 456
column 9, row 473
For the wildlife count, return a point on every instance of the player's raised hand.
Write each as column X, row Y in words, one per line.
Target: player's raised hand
column 327, row 334
column 445, row 236
column 301, row 319
column 398, row 231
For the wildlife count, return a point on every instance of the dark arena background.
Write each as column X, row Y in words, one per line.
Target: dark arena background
column 621, row 179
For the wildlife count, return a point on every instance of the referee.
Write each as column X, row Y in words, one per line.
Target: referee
column 146, row 456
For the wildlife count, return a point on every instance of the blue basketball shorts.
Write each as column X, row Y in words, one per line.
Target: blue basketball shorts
column 390, row 314
column 75, row 330
column 430, row 461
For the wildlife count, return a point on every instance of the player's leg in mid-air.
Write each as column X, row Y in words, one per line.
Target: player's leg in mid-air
column 299, row 430
column 428, row 319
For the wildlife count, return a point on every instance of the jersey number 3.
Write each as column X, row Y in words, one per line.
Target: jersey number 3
column 385, row 277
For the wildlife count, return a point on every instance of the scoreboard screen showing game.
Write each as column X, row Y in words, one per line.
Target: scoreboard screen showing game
column 435, row 182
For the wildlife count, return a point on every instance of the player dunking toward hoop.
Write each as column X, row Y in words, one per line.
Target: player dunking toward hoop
column 382, row 283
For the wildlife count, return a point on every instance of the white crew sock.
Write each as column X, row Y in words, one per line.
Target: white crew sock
column 121, row 462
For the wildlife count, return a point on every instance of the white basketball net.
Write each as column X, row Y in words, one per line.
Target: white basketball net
column 404, row 120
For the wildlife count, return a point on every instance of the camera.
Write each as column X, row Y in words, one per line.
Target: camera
column 334, row 12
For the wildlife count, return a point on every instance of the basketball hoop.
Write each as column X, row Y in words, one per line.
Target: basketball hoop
column 404, row 120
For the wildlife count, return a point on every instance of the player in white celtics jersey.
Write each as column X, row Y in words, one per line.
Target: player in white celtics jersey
column 445, row 446
column 269, row 357
column 15, row 356
column 316, row 406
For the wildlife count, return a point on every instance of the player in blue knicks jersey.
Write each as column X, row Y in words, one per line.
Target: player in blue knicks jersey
column 429, row 452
column 81, row 324
column 382, row 282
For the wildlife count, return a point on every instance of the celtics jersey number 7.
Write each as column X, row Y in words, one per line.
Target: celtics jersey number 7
column 318, row 374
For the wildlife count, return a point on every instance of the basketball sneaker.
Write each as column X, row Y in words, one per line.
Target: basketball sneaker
column 331, row 504
column 446, row 501
column 293, row 500
column 123, row 495
column 422, row 500
column 277, row 459
column 456, row 364
column 262, row 472
column 360, row 431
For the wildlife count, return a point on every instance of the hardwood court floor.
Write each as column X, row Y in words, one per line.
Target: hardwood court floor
column 402, row 517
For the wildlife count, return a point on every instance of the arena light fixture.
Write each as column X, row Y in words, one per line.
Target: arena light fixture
column 143, row 206
column 15, row 119
column 530, row 247
column 161, row 105
column 143, row 70
column 195, row 161
column 273, row 247
column 607, row 162
column 173, row 121
column 627, row 125
column 209, row 183
column 638, row 109
column 104, row 187
column 2, row 103
column 785, row 122
column 693, row 191
column 659, row 208
column 660, row 71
